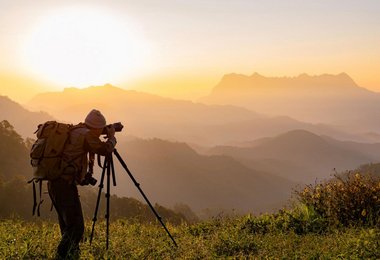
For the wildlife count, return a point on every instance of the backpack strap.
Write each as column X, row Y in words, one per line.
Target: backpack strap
column 35, row 205
column 34, row 199
column 41, row 200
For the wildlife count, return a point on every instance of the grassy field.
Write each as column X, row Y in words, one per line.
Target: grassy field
column 239, row 237
column 336, row 219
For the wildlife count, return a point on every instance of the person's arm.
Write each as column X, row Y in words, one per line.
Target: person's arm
column 94, row 145
column 91, row 162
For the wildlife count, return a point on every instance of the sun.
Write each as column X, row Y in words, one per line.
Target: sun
column 82, row 47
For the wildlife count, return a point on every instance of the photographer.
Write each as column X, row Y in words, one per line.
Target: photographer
column 78, row 154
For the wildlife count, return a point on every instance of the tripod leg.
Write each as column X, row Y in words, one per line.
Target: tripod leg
column 98, row 201
column 113, row 171
column 143, row 194
column 109, row 163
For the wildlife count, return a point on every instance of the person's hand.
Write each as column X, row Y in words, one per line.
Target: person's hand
column 110, row 131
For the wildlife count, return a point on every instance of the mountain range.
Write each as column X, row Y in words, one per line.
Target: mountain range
column 330, row 99
column 149, row 116
column 242, row 149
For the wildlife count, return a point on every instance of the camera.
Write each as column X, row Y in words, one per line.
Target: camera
column 118, row 127
column 88, row 180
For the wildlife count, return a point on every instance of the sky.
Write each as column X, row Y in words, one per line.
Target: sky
column 182, row 48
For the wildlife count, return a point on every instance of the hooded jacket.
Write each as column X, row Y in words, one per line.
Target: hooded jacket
column 81, row 142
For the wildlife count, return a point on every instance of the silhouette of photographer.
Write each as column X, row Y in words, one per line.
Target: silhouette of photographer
column 83, row 143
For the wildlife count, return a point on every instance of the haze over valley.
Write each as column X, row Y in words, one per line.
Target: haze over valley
column 239, row 149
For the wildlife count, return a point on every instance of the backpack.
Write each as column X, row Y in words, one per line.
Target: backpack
column 46, row 155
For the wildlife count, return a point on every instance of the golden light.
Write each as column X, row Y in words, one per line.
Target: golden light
column 81, row 47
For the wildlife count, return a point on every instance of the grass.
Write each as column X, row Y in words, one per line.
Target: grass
column 215, row 239
column 335, row 219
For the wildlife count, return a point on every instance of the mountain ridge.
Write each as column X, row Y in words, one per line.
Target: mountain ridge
column 149, row 115
column 341, row 79
column 326, row 98
column 24, row 120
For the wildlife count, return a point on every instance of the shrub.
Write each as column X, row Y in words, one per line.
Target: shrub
column 349, row 200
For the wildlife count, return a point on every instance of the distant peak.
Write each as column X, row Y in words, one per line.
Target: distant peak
column 298, row 132
column 299, row 135
column 304, row 75
column 345, row 76
column 103, row 87
column 234, row 75
column 257, row 75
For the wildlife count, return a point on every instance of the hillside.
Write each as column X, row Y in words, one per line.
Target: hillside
column 173, row 172
column 303, row 156
column 332, row 99
column 24, row 121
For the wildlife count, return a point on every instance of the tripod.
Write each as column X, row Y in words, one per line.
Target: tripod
column 108, row 168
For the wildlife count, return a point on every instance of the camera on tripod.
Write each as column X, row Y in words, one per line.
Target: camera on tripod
column 88, row 179
column 118, row 127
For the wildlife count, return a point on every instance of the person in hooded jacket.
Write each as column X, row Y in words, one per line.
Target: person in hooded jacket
column 78, row 155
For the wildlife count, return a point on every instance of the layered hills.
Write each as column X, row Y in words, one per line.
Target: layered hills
column 172, row 172
column 302, row 156
column 149, row 116
column 256, row 159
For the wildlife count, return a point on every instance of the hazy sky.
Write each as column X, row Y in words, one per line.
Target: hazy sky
column 182, row 48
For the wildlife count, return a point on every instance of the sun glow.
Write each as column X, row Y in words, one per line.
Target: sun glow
column 81, row 47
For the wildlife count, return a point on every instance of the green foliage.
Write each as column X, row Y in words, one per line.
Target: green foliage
column 366, row 246
column 222, row 238
column 14, row 155
column 349, row 200
column 300, row 220
column 16, row 198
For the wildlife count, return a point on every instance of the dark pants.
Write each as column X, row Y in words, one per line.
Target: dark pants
column 66, row 201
